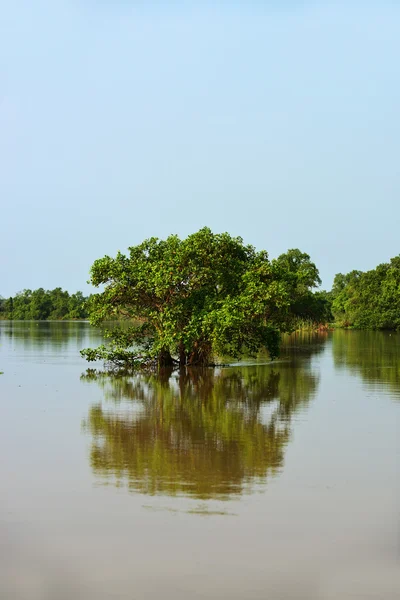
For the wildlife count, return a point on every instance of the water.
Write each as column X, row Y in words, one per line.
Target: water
column 250, row 482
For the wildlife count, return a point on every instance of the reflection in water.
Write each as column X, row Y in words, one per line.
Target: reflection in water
column 303, row 344
column 375, row 355
column 204, row 433
column 51, row 335
column 327, row 529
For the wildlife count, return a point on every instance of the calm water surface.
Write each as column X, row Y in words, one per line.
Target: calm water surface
column 256, row 481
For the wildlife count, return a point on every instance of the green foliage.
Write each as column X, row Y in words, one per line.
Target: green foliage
column 43, row 305
column 189, row 300
column 369, row 300
column 314, row 308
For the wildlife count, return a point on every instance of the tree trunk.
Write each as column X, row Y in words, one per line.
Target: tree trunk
column 200, row 355
column 182, row 356
column 165, row 359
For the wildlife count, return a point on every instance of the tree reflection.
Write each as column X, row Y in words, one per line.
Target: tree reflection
column 204, row 433
column 374, row 355
column 48, row 334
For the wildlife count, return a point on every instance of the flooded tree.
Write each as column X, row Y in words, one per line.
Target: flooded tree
column 187, row 301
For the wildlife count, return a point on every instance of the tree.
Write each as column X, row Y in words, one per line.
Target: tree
column 40, row 305
column 369, row 300
column 59, row 303
column 76, row 306
column 9, row 308
column 21, row 305
column 343, row 294
column 186, row 301
column 44, row 305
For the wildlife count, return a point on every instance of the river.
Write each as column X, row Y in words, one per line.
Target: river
column 255, row 481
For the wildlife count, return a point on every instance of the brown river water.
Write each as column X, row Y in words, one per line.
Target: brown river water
column 255, row 481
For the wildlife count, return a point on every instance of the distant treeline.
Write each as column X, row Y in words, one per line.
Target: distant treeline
column 368, row 300
column 44, row 305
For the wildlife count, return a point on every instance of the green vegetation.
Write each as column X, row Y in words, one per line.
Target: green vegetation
column 43, row 305
column 187, row 301
column 369, row 300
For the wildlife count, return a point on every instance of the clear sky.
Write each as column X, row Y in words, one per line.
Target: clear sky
column 119, row 120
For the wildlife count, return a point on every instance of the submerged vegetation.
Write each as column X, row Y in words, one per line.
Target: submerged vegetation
column 188, row 301
column 42, row 305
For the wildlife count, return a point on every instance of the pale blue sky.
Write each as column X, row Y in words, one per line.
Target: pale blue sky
column 119, row 120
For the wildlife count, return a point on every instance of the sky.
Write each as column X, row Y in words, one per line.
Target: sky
column 121, row 120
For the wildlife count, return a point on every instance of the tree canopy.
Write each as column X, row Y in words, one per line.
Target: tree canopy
column 189, row 300
column 368, row 300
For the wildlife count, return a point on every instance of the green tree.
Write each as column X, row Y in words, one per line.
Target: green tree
column 76, row 306
column 9, row 308
column 21, row 305
column 59, row 303
column 343, row 296
column 369, row 300
column 189, row 300
column 41, row 305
